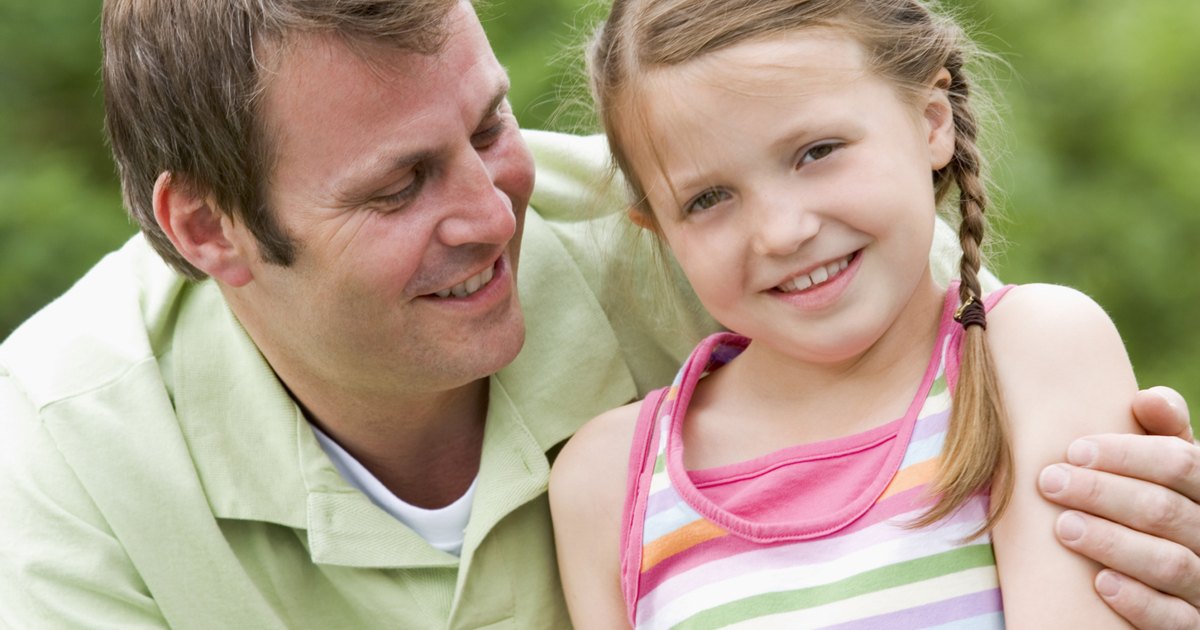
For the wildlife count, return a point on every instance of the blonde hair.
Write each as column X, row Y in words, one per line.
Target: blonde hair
column 908, row 43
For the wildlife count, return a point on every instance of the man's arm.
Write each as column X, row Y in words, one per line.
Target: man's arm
column 1138, row 514
column 60, row 565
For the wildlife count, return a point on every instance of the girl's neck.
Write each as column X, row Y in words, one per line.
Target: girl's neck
column 779, row 400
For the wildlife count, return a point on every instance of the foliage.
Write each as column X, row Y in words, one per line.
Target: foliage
column 1099, row 150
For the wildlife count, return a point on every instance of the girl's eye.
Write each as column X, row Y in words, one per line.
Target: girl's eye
column 819, row 152
column 705, row 200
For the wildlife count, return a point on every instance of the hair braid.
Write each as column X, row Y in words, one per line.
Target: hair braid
column 908, row 42
column 976, row 453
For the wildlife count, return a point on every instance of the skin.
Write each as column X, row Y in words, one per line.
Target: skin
column 1143, row 492
column 841, row 180
column 357, row 256
column 753, row 200
column 394, row 194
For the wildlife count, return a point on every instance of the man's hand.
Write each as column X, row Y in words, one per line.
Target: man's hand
column 1137, row 496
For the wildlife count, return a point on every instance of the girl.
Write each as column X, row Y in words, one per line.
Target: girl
column 860, row 451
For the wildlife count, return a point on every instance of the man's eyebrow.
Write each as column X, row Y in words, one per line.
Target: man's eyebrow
column 355, row 191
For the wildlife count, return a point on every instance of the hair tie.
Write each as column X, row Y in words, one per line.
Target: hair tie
column 971, row 313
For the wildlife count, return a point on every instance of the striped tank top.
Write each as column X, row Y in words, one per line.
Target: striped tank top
column 810, row 536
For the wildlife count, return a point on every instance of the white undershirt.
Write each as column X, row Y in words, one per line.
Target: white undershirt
column 442, row 528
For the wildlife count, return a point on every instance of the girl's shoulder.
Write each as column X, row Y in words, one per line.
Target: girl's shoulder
column 1047, row 308
column 1051, row 330
column 587, row 497
column 592, row 465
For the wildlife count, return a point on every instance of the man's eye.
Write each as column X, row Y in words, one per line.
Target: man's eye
column 393, row 201
column 705, row 200
column 486, row 137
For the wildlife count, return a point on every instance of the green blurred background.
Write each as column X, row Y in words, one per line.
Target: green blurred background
column 1098, row 160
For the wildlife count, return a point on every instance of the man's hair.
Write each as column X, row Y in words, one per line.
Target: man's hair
column 182, row 87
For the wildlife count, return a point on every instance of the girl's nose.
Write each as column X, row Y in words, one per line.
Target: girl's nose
column 782, row 228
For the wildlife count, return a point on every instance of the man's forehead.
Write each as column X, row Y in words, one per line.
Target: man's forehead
column 342, row 110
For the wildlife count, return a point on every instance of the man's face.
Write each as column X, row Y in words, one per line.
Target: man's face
column 403, row 180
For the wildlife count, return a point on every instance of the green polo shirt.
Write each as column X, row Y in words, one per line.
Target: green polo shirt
column 153, row 470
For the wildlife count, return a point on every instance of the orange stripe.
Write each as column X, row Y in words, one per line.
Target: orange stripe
column 679, row 540
column 912, row 477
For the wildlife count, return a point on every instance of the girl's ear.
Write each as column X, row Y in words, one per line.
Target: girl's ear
column 203, row 234
column 939, row 116
column 641, row 219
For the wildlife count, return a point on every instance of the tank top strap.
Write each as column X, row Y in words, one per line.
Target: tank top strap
column 642, row 457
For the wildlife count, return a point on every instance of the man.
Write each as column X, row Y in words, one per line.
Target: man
column 346, row 418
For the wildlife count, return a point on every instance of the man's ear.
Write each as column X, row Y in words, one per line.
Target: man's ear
column 939, row 116
column 200, row 232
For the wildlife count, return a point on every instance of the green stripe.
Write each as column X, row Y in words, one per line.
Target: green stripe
column 660, row 464
column 938, row 386
column 919, row 569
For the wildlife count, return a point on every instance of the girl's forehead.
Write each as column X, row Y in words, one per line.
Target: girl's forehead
column 783, row 71
column 816, row 55
column 785, row 74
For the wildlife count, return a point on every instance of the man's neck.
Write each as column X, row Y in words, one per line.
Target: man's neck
column 425, row 450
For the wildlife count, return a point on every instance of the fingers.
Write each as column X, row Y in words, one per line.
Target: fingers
column 1162, row 411
column 1136, row 504
column 1165, row 461
column 1159, row 564
column 1143, row 606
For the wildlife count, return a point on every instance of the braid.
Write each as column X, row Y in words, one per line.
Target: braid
column 976, row 453
column 908, row 42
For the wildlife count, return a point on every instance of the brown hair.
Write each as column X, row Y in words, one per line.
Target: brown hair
column 907, row 43
column 181, row 85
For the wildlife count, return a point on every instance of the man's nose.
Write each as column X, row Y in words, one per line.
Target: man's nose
column 479, row 211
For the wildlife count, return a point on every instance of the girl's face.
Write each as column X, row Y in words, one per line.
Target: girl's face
column 795, row 188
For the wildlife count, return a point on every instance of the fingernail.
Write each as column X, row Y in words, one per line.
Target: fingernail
column 1108, row 584
column 1069, row 527
column 1053, row 479
column 1082, row 452
column 1168, row 395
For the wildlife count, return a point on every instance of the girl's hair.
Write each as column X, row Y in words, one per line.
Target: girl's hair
column 908, row 43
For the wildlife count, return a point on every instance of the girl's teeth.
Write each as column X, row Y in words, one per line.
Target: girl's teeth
column 817, row 276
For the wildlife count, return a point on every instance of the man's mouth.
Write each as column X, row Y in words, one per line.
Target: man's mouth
column 817, row 276
column 470, row 285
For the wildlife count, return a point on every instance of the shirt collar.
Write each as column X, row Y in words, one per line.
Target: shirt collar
column 258, row 460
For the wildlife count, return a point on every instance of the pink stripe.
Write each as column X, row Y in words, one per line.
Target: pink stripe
column 817, row 525
column 901, row 503
column 669, row 580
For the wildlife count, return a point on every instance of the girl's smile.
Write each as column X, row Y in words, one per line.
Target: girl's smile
column 797, row 194
column 821, row 287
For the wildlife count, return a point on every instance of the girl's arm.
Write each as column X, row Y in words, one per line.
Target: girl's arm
column 1142, row 496
column 587, row 497
column 1063, row 373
